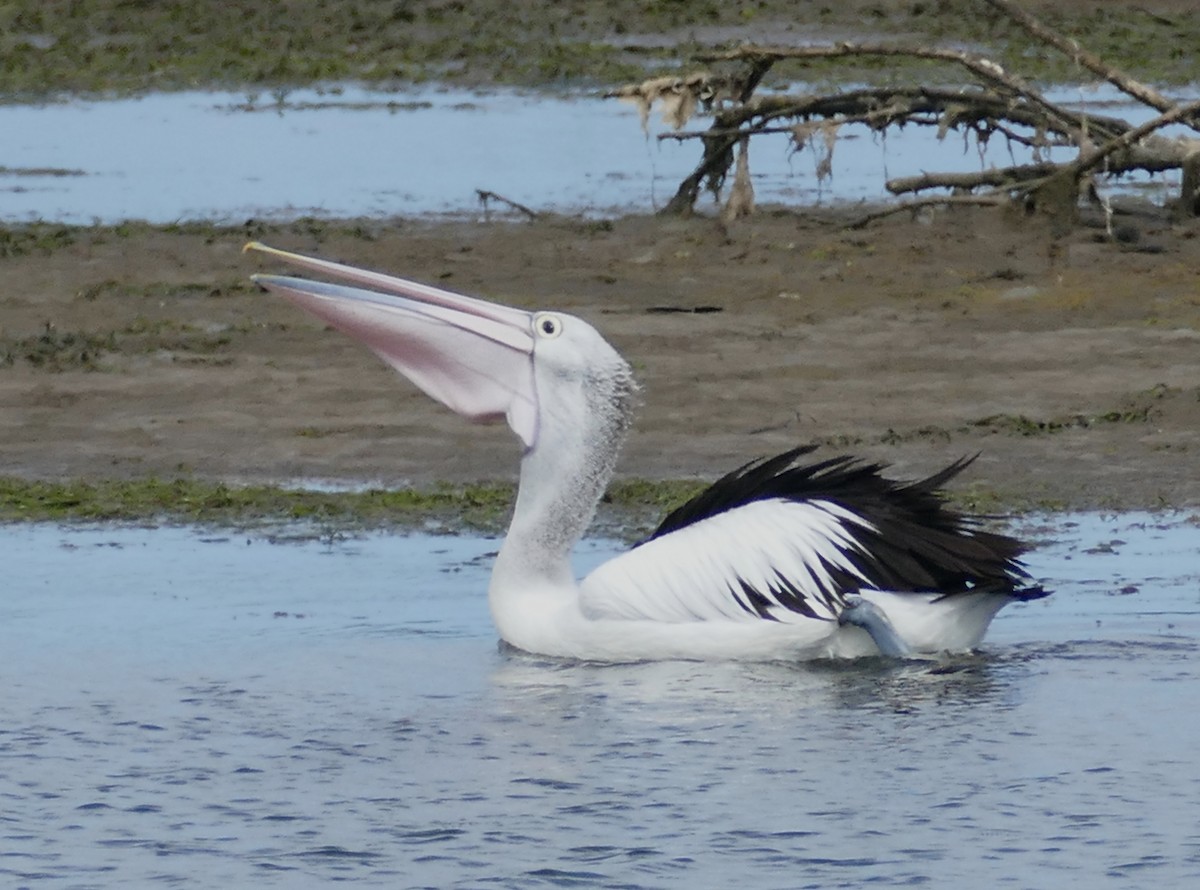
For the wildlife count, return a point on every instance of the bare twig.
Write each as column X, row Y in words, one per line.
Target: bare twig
column 1092, row 160
column 881, row 107
column 984, row 68
column 998, row 102
column 485, row 196
column 1119, row 79
column 992, row 199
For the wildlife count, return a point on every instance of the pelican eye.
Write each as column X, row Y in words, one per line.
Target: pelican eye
column 547, row 325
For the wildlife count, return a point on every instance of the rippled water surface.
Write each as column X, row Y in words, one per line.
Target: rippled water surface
column 215, row 710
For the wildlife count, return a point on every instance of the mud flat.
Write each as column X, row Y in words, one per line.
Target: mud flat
column 1072, row 364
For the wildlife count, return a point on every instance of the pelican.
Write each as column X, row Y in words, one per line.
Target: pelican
column 779, row 560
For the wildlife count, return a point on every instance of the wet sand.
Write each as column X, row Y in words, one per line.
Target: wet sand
column 1070, row 363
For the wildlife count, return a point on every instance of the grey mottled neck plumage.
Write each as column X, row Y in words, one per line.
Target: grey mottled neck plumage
column 564, row 476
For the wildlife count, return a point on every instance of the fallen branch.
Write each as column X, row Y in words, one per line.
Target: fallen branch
column 999, row 102
column 982, row 67
column 1131, row 138
column 882, row 107
column 989, row 200
column 1122, row 81
column 485, row 196
column 997, row 178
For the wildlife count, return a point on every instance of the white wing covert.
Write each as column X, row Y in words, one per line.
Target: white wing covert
column 771, row 559
column 782, row 541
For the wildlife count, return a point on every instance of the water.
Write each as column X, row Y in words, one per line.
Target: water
column 216, row 710
column 357, row 152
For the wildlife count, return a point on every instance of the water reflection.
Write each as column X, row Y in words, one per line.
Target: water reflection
column 652, row 690
column 163, row 726
column 350, row 152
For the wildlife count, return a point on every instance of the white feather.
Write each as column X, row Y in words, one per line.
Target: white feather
column 696, row 573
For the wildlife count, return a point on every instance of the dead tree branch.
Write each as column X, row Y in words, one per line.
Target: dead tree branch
column 1145, row 94
column 983, row 68
column 998, row 178
column 486, row 196
column 997, row 102
column 883, row 107
column 991, row 200
column 1133, row 138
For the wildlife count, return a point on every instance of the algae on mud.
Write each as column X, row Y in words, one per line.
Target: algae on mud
column 106, row 46
column 629, row 507
column 197, row 501
column 1069, row 361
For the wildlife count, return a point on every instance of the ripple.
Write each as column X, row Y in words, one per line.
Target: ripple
column 218, row 752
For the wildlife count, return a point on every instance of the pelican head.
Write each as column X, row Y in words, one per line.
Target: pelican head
column 565, row 392
column 482, row 360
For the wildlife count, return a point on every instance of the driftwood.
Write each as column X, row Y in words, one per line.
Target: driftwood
column 485, row 197
column 996, row 102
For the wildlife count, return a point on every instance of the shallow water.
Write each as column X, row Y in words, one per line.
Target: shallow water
column 356, row 152
column 214, row 710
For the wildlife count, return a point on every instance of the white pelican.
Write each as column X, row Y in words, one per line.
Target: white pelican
column 776, row 561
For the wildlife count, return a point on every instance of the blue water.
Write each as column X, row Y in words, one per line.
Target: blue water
column 180, row 707
column 351, row 151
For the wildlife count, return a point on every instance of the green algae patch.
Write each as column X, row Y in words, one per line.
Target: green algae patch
column 114, row 46
column 190, row 500
column 629, row 504
column 36, row 238
column 660, row 494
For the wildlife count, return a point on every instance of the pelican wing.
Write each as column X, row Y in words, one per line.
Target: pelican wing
column 772, row 559
column 781, row 542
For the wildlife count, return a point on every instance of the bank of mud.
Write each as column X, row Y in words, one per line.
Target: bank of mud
column 109, row 46
column 1070, row 363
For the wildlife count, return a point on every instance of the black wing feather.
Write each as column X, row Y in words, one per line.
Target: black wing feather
column 916, row 541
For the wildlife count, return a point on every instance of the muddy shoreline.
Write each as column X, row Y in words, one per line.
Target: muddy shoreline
column 1070, row 363
column 105, row 47
column 132, row 353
